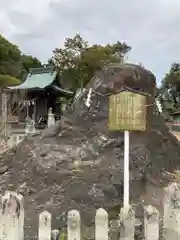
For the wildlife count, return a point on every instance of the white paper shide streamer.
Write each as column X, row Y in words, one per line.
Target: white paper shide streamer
column 159, row 106
column 88, row 100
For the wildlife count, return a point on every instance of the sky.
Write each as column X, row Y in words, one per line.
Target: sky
column 148, row 26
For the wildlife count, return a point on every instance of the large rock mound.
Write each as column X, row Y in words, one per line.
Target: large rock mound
column 78, row 163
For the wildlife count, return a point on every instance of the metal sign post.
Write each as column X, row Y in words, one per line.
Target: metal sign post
column 127, row 112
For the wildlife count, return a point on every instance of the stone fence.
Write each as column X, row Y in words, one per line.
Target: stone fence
column 12, row 221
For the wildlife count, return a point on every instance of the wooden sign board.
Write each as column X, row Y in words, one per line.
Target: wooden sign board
column 127, row 111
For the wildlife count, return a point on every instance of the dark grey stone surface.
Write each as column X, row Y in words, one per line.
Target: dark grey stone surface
column 78, row 163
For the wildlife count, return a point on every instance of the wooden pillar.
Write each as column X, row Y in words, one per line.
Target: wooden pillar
column 34, row 112
column 4, row 113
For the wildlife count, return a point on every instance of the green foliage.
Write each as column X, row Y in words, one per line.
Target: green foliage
column 13, row 63
column 63, row 235
column 29, row 62
column 9, row 58
column 8, row 50
column 78, row 61
column 172, row 78
column 6, row 80
column 169, row 91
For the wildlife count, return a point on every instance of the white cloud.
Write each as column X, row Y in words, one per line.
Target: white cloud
column 150, row 27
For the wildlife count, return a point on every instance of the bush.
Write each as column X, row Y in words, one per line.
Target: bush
column 6, row 80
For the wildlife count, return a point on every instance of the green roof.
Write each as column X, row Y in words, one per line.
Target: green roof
column 38, row 78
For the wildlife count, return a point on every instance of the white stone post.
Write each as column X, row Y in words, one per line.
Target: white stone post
column 172, row 212
column 73, row 227
column 101, row 224
column 151, row 223
column 127, row 223
column 45, row 226
column 12, row 217
column 51, row 118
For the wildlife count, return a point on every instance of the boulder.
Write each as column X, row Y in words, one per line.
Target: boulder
column 78, row 163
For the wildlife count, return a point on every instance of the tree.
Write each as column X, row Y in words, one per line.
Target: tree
column 9, row 58
column 78, row 61
column 169, row 91
column 29, row 62
column 172, row 78
column 13, row 63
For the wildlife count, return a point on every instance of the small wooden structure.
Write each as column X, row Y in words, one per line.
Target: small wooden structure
column 176, row 121
column 36, row 94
